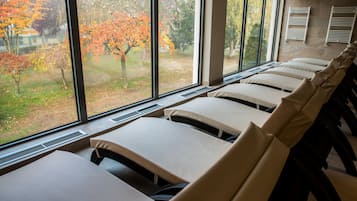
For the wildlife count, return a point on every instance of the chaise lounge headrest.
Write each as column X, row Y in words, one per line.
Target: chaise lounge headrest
column 241, row 174
column 297, row 126
column 288, row 107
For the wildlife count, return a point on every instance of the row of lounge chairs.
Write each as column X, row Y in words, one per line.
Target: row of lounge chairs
column 265, row 138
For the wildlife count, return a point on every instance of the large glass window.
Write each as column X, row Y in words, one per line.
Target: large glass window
column 252, row 34
column 36, row 85
column 233, row 36
column 253, row 22
column 118, row 67
column 268, row 31
column 179, row 23
column 115, row 39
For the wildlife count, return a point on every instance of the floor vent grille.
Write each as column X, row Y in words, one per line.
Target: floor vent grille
column 30, row 151
column 195, row 92
column 141, row 111
column 254, row 70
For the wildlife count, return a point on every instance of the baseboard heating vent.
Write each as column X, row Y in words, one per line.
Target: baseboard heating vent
column 195, row 92
column 64, row 139
column 236, row 77
column 136, row 113
column 20, row 154
column 150, row 108
column 30, row 151
column 254, row 70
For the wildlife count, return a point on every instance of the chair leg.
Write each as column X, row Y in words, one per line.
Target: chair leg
column 95, row 159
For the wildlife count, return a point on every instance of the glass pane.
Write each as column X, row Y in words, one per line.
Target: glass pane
column 269, row 23
column 36, row 86
column 179, row 44
column 252, row 33
column 233, row 34
column 115, row 40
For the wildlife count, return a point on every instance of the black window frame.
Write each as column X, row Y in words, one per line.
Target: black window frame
column 77, row 70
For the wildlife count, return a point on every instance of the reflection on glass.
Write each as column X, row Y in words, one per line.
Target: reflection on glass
column 115, row 45
column 233, row 34
column 179, row 43
column 252, row 33
column 36, row 86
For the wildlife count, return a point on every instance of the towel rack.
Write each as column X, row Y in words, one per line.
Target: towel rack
column 341, row 24
column 298, row 22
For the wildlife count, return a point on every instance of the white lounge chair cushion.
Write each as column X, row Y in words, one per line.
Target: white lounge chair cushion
column 244, row 173
column 257, row 94
column 344, row 184
column 64, row 176
column 173, row 151
column 290, row 72
column 282, row 119
column 302, row 66
column 225, row 115
column 315, row 61
column 278, row 81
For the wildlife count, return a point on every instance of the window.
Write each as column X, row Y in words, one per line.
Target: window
column 178, row 42
column 233, row 33
column 268, row 31
column 116, row 55
column 36, row 85
column 252, row 33
column 108, row 56
column 251, row 44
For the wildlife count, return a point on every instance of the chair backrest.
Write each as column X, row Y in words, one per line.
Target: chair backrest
column 321, row 76
column 288, row 107
column 297, row 126
column 241, row 174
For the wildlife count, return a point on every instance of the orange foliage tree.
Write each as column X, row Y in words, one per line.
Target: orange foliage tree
column 52, row 57
column 118, row 36
column 16, row 17
column 14, row 65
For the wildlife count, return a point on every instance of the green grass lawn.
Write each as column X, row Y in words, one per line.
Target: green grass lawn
column 45, row 104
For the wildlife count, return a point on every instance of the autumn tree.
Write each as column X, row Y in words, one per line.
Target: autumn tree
column 52, row 57
column 16, row 16
column 14, row 65
column 119, row 36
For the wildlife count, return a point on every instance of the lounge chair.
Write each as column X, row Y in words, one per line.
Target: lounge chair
column 259, row 95
column 290, row 72
column 228, row 116
column 278, row 81
column 174, row 152
column 314, row 61
column 62, row 176
column 302, row 66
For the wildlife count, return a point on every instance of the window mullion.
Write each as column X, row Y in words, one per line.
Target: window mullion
column 155, row 48
column 242, row 37
column 74, row 40
column 262, row 21
column 277, row 14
